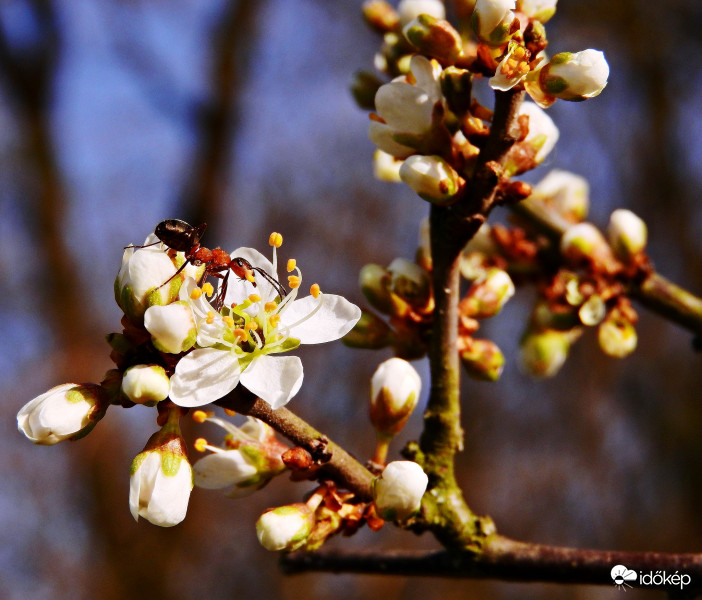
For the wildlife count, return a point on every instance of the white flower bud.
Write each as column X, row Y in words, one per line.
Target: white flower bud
column 488, row 294
column 66, row 411
column 565, row 192
column 584, row 241
column 386, row 167
column 592, row 311
column 144, row 280
column 541, row 10
column 146, row 384
column 395, row 388
column 410, row 282
column 398, row 491
column 411, row 9
column 543, row 133
column 492, row 20
column 575, row 76
column 543, row 353
column 432, row 178
column 627, row 233
column 285, row 527
column 616, row 335
column 172, row 327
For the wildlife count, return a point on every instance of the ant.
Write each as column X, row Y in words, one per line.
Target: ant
column 183, row 237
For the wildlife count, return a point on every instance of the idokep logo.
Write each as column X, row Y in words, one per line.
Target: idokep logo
column 622, row 575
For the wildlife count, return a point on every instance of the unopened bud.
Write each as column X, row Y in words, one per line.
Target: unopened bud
column 616, row 335
column 380, row 15
column 592, row 311
column 410, row 282
column 146, row 384
column 542, row 353
column 488, row 294
column 434, row 37
column 432, row 178
column 456, row 86
column 364, row 86
column 492, row 20
column 565, row 192
column 575, row 76
column 369, row 332
column 285, row 527
column 541, row 10
column 398, row 491
column 482, row 359
column 585, row 242
column 411, row 9
column 627, row 234
column 375, row 285
column 395, row 388
column 172, row 327
column 386, row 167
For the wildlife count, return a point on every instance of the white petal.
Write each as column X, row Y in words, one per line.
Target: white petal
column 222, row 469
column 238, row 290
column 334, row 319
column 203, row 376
column 274, row 379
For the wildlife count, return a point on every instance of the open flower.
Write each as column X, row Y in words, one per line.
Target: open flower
column 239, row 344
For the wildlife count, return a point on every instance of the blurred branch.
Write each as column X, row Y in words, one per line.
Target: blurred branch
column 504, row 559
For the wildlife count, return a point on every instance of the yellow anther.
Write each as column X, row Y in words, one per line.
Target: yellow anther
column 270, row 306
column 275, row 239
column 196, row 293
column 200, row 416
column 229, row 321
column 251, row 326
column 200, row 444
column 210, row 317
column 207, row 288
column 292, row 263
column 293, row 281
column 254, row 298
column 241, row 334
column 273, row 320
column 314, row 290
column 250, row 276
column 230, row 412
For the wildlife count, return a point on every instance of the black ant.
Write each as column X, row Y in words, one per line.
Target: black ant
column 183, row 237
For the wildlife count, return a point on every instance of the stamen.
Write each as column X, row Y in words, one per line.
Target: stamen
column 210, row 317
column 230, row 412
column 270, row 306
column 251, row 326
column 274, row 320
column 240, row 334
column 200, row 444
column 292, row 263
column 314, row 290
column 275, row 240
column 294, row 281
column 196, row 293
column 207, row 288
column 229, row 322
column 200, row 416
column 253, row 298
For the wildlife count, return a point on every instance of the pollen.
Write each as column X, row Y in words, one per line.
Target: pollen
column 207, row 288
column 241, row 334
column 229, row 412
column 229, row 321
column 274, row 320
column 314, row 290
column 210, row 317
column 200, row 416
column 292, row 263
column 253, row 298
column 196, row 293
column 251, row 326
column 275, row 240
column 294, row 281
column 200, row 444
column 270, row 306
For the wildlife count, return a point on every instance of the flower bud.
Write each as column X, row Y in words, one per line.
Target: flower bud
column 541, row 10
column 542, row 353
column 375, row 285
column 410, row 282
column 146, row 384
column 575, row 76
column 369, row 332
column 488, row 294
column 541, row 138
column 398, row 491
column 627, row 234
column 380, row 15
column 492, row 20
column 395, row 388
column 592, row 311
column 565, row 192
column 432, row 178
column 434, row 37
column 364, row 86
column 585, row 242
column 145, row 279
column 172, row 327
column 386, row 167
column 67, row 411
column 411, row 9
column 482, row 359
column 285, row 527
column 161, row 477
column 616, row 335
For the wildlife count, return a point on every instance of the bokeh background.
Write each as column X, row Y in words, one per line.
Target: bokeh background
column 116, row 114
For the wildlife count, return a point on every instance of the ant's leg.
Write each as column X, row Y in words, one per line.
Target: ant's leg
column 274, row 282
column 146, row 246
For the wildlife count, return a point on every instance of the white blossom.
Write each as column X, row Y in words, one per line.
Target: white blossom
column 398, row 491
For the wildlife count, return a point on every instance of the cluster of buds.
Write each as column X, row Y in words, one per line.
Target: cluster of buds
column 403, row 292
column 427, row 126
column 177, row 350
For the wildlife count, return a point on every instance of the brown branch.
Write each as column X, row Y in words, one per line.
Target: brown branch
column 506, row 560
column 337, row 463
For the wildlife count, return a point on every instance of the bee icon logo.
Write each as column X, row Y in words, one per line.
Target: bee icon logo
column 621, row 576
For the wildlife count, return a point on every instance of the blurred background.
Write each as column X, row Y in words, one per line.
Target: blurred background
column 116, row 114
